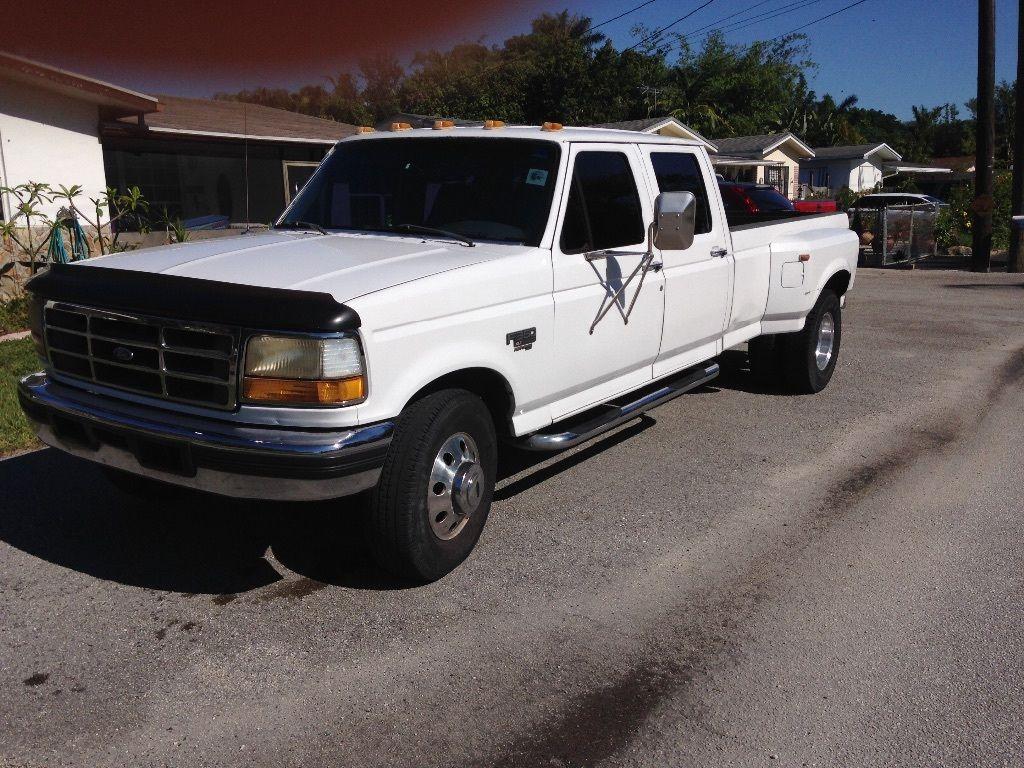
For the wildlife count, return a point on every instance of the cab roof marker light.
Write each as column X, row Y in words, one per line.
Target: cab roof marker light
column 551, row 127
column 491, row 125
column 401, row 127
column 365, row 129
column 442, row 125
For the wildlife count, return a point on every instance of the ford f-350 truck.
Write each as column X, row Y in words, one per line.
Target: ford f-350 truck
column 430, row 296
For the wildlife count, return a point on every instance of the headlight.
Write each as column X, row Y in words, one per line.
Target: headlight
column 293, row 370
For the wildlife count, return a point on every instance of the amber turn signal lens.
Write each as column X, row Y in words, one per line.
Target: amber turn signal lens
column 304, row 392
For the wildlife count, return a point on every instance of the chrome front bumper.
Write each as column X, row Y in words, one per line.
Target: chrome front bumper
column 241, row 461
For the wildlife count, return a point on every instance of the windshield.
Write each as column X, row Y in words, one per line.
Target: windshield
column 487, row 189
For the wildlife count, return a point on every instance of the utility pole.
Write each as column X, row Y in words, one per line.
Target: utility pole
column 1015, row 261
column 981, row 251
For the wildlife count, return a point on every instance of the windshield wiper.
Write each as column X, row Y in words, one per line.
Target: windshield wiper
column 302, row 225
column 433, row 231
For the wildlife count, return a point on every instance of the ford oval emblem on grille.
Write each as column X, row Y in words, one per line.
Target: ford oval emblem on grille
column 123, row 354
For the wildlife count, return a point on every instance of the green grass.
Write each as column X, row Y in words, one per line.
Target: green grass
column 17, row 358
column 14, row 315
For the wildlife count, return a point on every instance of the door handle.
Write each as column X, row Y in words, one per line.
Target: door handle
column 719, row 253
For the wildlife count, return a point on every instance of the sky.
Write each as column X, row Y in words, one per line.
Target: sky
column 891, row 53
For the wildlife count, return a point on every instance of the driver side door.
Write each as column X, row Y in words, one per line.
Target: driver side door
column 600, row 242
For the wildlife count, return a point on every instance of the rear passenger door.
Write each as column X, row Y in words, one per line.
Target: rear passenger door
column 698, row 280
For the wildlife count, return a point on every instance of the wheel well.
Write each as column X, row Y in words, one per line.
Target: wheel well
column 488, row 384
column 839, row 282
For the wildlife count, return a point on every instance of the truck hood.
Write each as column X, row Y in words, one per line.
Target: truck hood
column 345, row 265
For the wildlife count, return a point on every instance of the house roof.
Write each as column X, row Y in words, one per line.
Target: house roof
column 734, row 160
column 761, row 145
column 656, row 124
column 902, row 167
column 856, row 152
column 118, row 100
column 216, row 118
column 961, row 164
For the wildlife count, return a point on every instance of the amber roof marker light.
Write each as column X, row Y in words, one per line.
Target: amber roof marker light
column 443, row 125
column 365, row 129
column 551, row 127
column 492, row 125
column 401, row 127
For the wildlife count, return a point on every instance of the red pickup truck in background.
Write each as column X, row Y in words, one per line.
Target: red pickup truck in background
column 815, row 206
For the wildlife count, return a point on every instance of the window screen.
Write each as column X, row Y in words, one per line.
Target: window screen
column 679, row 172
column 603, row 210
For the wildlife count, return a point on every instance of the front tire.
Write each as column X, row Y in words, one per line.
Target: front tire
column 435, row 489
column 810, row 356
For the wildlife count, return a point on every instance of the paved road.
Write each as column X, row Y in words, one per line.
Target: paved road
column 743, row 579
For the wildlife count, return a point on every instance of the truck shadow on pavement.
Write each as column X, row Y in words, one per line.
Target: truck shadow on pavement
column 736, row 375
column 64, row 511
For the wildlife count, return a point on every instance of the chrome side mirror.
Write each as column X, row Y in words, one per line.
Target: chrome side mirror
column 675, row 220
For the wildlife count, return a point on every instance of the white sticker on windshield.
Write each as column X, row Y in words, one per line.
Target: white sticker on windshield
column 537, row 176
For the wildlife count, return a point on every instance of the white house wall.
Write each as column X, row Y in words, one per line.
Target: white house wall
column 46, row 137
column 864, row 176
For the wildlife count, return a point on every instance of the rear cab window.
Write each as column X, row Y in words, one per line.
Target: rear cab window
column 680, row 172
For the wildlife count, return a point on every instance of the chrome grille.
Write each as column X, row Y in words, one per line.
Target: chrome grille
column 184, row 362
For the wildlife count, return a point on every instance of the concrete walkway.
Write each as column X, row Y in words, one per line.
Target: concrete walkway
column 15, row 336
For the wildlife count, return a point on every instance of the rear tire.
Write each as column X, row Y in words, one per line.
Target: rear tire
column 434, row 493
column 809, row 356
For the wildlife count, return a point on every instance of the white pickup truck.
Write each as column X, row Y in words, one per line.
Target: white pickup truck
column 430, row 295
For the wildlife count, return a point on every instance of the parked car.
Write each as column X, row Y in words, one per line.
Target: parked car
column 746, row 197
column 878, row 200
column 815, row 206
column 428, row 297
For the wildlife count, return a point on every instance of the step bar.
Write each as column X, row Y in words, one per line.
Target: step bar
column 619, row 414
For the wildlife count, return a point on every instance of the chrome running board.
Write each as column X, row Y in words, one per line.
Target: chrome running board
column 618, row 414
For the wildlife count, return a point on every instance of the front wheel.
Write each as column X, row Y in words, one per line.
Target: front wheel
column 435, row 489
column 810, row 355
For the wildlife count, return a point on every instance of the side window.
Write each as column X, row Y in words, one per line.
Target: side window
column 680, row 172
column 603, row 210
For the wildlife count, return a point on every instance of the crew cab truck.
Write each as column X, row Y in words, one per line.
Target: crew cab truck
column 429, row 296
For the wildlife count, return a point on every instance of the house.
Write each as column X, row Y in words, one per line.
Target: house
column 772, row 158
column 200, row 157
column 662, row 126
column 860, row 167
column 191, row 157
column 49, row 127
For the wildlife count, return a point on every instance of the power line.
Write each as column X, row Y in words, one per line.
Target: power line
column 657, row 32
column 782, row 10
column 625, row 13
column 767, row 15
column 828, row 16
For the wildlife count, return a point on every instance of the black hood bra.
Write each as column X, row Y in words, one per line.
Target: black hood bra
column 190, row 298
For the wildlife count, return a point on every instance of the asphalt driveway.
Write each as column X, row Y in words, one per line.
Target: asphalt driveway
column 741, row 578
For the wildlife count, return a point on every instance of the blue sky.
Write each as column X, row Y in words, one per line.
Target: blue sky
column 891, row 53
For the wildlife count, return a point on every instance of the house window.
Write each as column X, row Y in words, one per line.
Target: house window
column 603, row 210
column 296, row 174
column 815, row 177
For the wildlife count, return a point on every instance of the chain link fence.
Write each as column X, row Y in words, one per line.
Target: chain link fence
column 896, row 234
